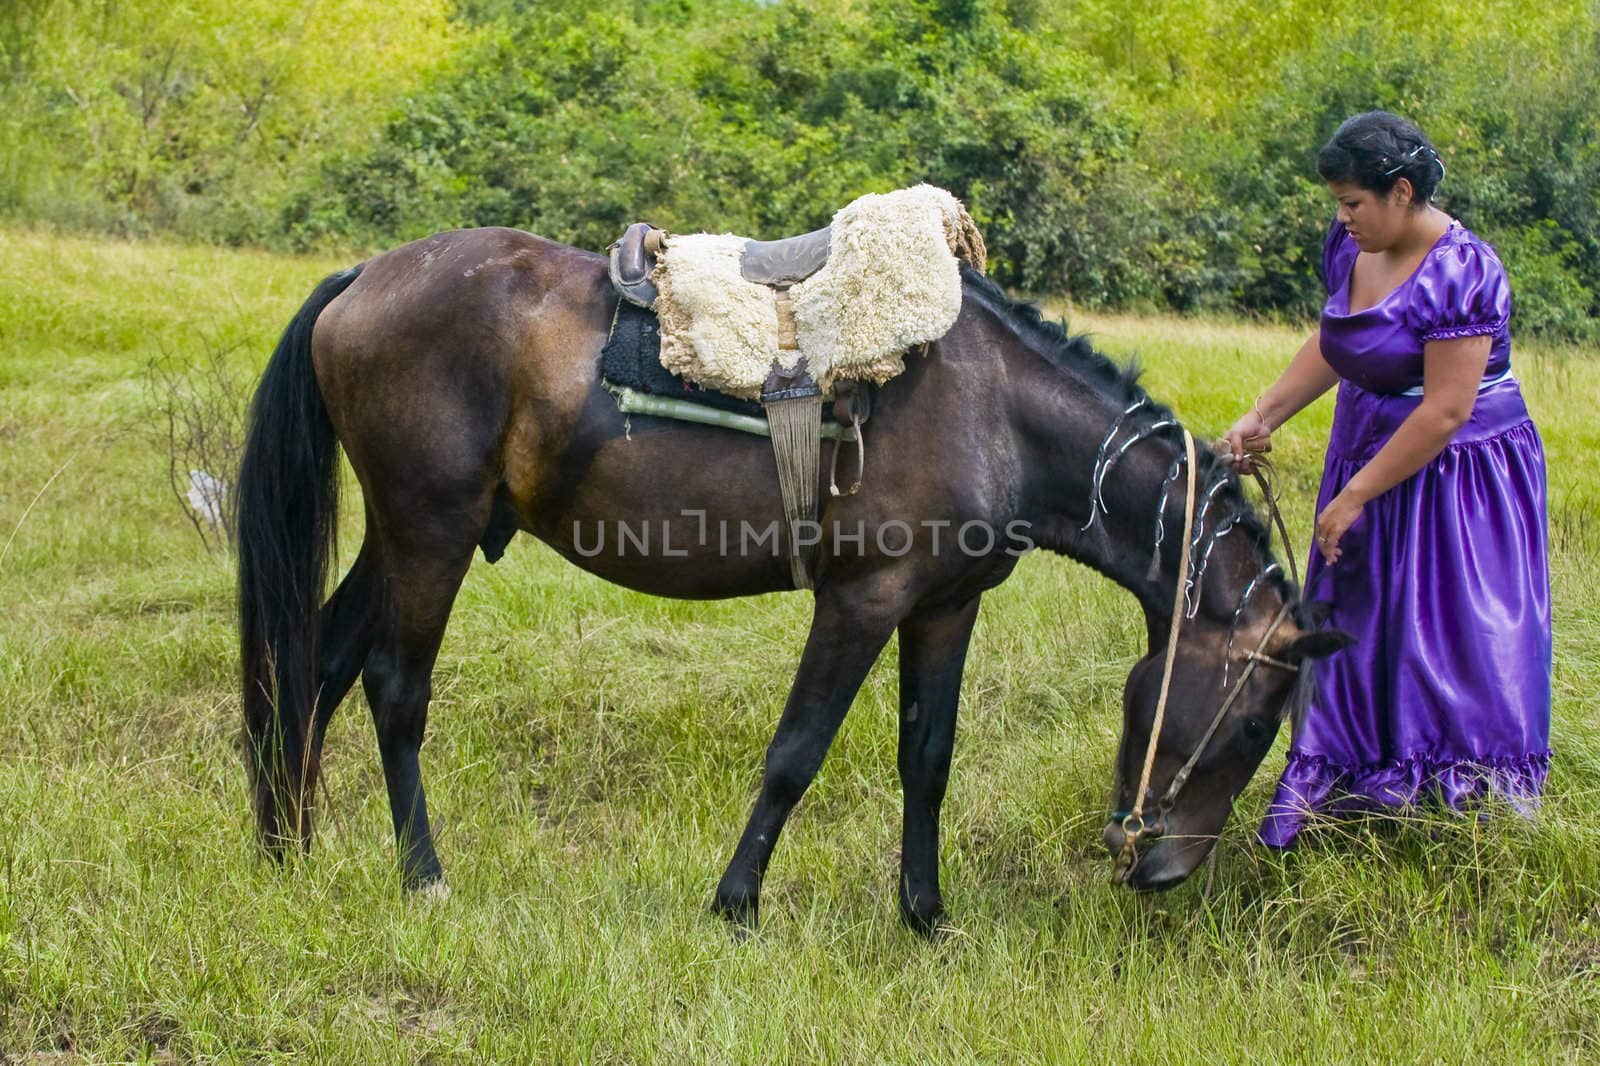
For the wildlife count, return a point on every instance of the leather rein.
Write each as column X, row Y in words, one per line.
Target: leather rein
column 1134, row 826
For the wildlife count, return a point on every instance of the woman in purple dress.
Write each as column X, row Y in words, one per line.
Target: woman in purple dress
column 1431, row 516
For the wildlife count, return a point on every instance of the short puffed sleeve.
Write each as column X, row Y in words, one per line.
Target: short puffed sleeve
column 1338, row 254
column 1460, row 291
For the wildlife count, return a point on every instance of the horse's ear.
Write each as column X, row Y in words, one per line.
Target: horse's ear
column 1318, row 611
column 1317, row 644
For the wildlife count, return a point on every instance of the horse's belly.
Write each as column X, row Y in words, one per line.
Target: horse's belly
column 670, row 509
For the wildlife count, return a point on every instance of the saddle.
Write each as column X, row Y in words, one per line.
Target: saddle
column 850, row 299
column 779, row 263
column 797, row 322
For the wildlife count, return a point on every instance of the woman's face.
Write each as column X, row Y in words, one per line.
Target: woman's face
column 1374, row 222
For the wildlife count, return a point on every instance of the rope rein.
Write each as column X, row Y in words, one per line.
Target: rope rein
column 1134, row 827
column 1264, row 473
column 1130, row 839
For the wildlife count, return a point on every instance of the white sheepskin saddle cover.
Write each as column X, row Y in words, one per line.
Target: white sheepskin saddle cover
column 892, row 281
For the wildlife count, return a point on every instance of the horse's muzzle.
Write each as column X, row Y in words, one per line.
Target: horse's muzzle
column 1147, row 867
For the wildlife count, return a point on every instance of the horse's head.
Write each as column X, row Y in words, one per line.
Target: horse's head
column 1228, row 694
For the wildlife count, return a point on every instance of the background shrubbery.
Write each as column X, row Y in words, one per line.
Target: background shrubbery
column 1124, row 155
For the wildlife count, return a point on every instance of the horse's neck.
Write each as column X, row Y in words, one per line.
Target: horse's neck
column 1121, row 512
column 1065, row 423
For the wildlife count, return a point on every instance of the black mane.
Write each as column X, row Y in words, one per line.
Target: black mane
column 1052, row 340
column 1075, row 355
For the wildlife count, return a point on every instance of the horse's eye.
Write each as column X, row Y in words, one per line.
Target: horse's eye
column 1255, row 730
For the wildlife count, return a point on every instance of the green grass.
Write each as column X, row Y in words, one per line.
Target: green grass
column 592, row 754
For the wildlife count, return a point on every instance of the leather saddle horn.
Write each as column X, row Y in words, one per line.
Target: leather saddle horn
column 633, row 257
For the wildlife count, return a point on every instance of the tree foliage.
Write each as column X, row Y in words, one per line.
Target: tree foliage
column 1157, row 154
column 1234, row 103
column 195, row 116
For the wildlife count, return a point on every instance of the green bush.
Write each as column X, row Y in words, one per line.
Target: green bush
column 1235, row 116
column 576, row 121
column 194, row 118
column 1550, row 295
column 1154, row 155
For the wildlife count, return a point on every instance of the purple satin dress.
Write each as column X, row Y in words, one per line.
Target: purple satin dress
column 1444, row 579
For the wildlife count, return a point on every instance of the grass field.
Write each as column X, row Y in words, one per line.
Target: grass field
column 591, row 760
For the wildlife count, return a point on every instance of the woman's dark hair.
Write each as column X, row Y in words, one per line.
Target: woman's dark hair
column 1375, row 150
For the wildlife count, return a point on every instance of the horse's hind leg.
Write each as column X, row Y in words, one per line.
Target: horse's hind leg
column 346, row 629
column 425, row 549
column 848, row 631
column 933, row 650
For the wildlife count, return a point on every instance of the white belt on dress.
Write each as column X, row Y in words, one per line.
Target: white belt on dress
column 1416, row 390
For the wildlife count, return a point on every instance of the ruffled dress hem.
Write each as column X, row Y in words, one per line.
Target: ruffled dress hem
column 1313, row 786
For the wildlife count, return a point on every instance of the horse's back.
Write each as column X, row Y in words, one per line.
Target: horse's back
column 454, row 295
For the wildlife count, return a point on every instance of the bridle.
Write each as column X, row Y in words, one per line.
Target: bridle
column 1134, row 826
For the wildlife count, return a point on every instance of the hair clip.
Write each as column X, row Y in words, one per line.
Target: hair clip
column 1411, row 157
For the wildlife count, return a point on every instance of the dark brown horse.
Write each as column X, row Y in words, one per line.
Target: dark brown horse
column 461, row 375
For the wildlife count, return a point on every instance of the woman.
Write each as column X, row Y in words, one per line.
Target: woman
column 1432, row 509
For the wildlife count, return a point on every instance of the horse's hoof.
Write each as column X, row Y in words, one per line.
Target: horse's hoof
column 435, row 891
column 741, row 913
column 930, row 923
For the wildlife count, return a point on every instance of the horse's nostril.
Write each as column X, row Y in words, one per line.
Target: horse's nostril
column 1113, row 836
column 1146, row 831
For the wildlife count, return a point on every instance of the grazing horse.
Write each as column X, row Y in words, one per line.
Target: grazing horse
column 461, row 375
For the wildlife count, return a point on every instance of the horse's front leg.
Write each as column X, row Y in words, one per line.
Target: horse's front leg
column 933, row 650
column 848, row 629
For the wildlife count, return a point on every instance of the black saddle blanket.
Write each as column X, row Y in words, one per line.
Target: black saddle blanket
column 632, row 359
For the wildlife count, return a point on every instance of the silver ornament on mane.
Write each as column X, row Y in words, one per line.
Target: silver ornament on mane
column 1238, row 612
column 1161, row 516
column 1096, row 501
column 1191, row 597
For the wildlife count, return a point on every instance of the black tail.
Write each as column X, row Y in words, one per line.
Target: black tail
column 288, row 501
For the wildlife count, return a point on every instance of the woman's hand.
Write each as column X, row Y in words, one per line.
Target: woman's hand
column 1334, row 521
column 1250, row 436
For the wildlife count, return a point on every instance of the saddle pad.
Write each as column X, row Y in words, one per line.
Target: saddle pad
column 631, row 359
column 892, row 281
